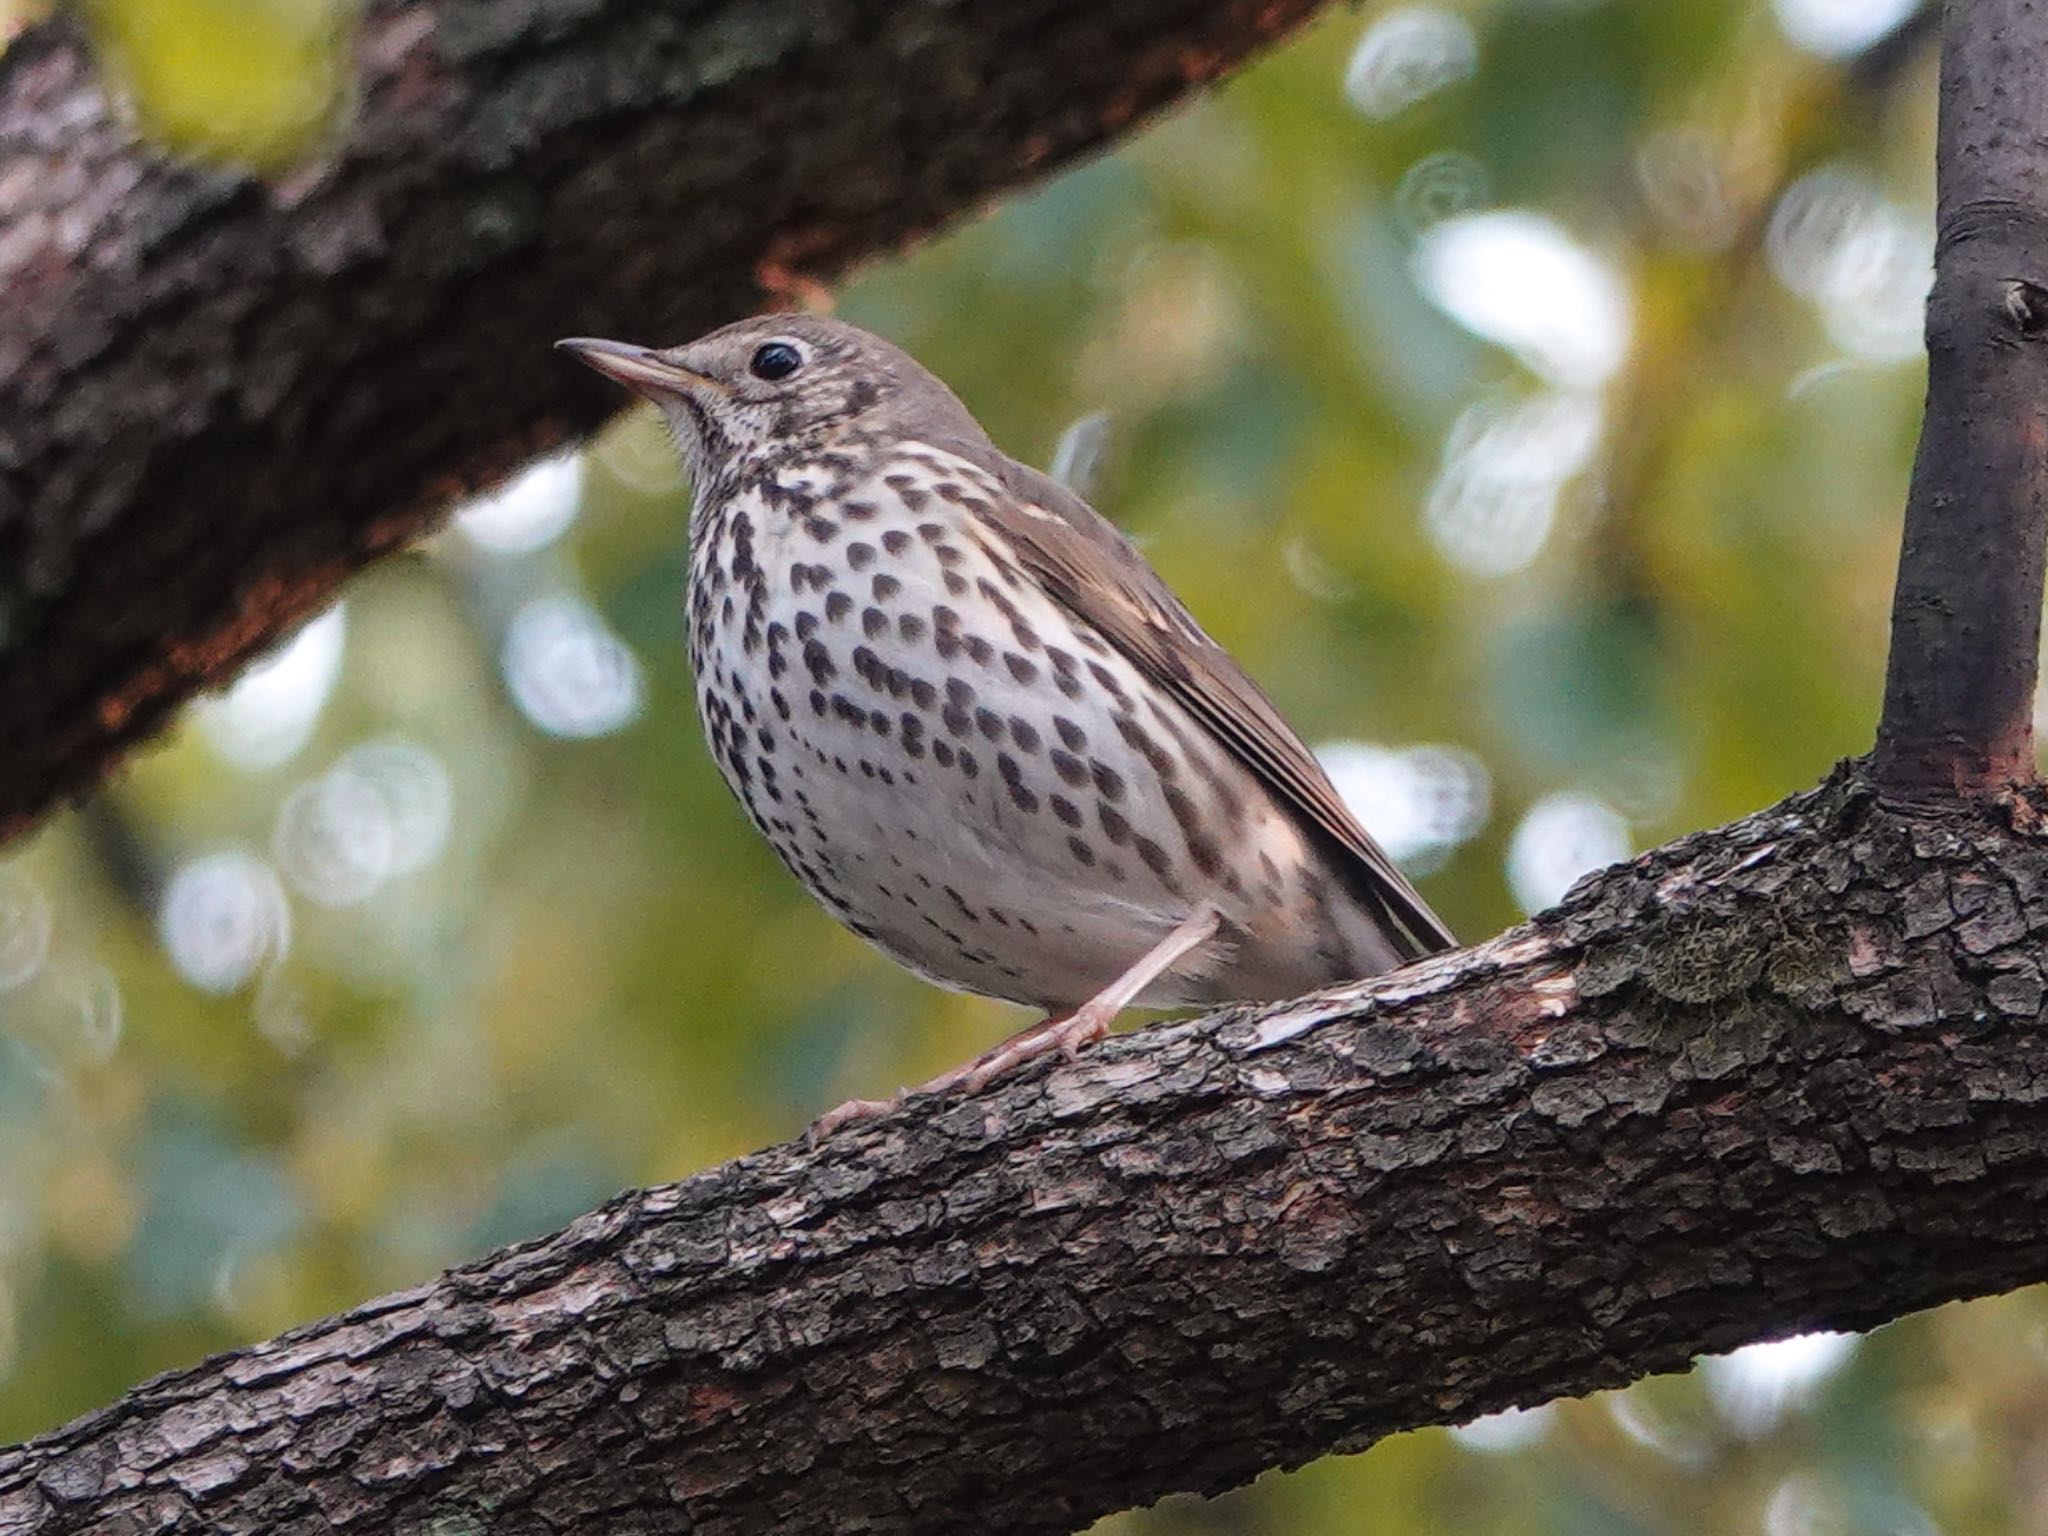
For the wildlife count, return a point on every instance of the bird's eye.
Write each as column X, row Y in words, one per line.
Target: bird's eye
column 775, row 360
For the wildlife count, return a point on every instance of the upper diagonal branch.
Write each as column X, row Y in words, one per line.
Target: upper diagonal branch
column 1783, row 1075
column 218, row 395
column 1966, row 620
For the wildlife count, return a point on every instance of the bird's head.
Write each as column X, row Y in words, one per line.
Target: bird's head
column 779, row 384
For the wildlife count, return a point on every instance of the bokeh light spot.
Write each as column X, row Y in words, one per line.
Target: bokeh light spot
column 1837, row 29
column 1754, row 1387
column 224, row 917
column 1858, row 258
column 1510, row 1430
column 529, row 511
column 1519, row 280
column 1561, row 839
column 24, row 927
column 272, row 708
column 1407, row 55
column 1505, row 464
column 1418, row 802
column 569, row 674
column 1441, row 186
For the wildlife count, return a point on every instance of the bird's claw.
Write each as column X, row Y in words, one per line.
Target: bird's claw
column 846, row 1114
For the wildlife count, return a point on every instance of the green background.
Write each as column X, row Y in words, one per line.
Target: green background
column 1524, row 391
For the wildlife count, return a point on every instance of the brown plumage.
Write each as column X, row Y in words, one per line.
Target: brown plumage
column 974, row 722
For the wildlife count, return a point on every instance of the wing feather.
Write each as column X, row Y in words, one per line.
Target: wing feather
column 1099, row 576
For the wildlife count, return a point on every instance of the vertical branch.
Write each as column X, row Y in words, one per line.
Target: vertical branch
column 1966, row 618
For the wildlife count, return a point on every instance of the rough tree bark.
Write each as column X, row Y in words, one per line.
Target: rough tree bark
column 218, row 396
column 1785, row 1074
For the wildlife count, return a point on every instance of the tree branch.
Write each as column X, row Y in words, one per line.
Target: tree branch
column 220, row 396
column 1785, row 1075
column 1966, row 620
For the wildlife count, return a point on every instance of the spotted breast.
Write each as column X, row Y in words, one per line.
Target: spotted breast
column 973, row 721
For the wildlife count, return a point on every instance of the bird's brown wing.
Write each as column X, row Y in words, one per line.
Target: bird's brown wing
column 1098, row 574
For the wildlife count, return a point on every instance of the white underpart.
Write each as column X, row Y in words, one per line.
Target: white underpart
column 1028, row 892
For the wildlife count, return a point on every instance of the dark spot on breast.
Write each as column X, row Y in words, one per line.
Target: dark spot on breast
column 1154, row 856
column 857, row 511
column 1020, row 669
column 874, row 623
column 947, row 554
column 884, row 586
column 1108, row 782
column 1078, row 846
column 860, row 554
column 1114, row 827
column 1110, row 685
column 1064, row 668
column 1069, row 767
column 911, row 731
column 980, row 650
column 823, row 529
column 1065, row 809
column 942, row 753
column 968, row 764
column 992, row 593
column 806, row 625
column 1024, row 733
column 1027, row 637
column 957, row 720
column 922, row 693
column 910, row 627
column 1072, row 735
column 817, row 702
column 819, row 663
column 895, row 541
column 1201, row 847
column 837, row 606
column 931, row 533
column 956, row 584
column 1140, row 740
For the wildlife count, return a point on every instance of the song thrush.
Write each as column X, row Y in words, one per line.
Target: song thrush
column 974, row 722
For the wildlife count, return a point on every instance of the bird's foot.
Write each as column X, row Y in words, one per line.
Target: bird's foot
column 1066, row 1034
column 846, row 1114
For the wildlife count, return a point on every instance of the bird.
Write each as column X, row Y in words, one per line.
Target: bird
column 974, row 722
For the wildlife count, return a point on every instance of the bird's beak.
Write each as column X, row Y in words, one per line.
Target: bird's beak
column 641, row 369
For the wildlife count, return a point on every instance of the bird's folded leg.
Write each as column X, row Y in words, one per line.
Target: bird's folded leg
column 1086, row 1024
column 1065, row 1033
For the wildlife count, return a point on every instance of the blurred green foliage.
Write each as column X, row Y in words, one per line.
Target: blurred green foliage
column 1531, row 379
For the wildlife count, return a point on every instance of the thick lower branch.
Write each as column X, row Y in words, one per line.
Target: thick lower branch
column 219, row 396
column 1966, row 619
column 1784, row 1075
